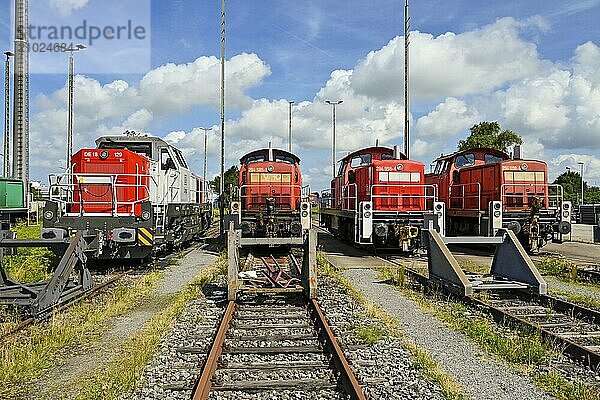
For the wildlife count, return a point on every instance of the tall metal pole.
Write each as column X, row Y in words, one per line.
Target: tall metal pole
column 205, row 144
column 70, row 114
column 6, row 164
column 290, row 127
column 222, row 188
column 333, row 105
column 406, row 103
column 581, row 165
column 20, row 158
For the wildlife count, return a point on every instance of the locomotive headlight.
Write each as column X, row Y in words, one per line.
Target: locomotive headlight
column 304, row 214
column 48, row 215
column 524, row 167
column 566, row 214
column 399, row 167
column 305, row 206
column 235, row 206
column 497, row 214
column 270, row 168
column 146, row 215
column 566, row 206
column 367, row 214
column 438, row 207
column 367, row 207
column 104, row 154
column 497, row 207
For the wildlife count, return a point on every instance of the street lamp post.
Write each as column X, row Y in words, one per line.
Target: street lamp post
column 6, row 165
column 581, row 165
column 205, row 142
column 71, row 84
column 222, row 183
column 333, row 105
column 291, row 103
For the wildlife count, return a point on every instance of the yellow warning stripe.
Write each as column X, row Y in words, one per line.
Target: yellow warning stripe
column 145, row 237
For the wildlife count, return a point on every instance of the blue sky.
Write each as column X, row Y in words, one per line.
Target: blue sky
column 532, row 65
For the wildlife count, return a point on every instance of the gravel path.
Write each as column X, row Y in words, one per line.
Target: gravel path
column 481, row 377
column 591, row 292
column 61, row 382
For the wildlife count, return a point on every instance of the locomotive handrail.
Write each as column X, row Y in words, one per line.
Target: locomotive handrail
column 346, row 197
column 325, row 200
column 548, row 197
column 462, row 196
column 295, row 190
column 425, row 196
column 75, row 182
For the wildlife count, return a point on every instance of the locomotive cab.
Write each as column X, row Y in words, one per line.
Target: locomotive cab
column 269, row 199
column 379, row 198
column 484, row 190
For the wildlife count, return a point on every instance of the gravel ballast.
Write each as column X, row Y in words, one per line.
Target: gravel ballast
column 480, row 376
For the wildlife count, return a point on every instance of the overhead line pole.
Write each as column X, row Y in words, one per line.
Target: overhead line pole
column 291, row 103
column 222, row 188
column 20, row 160
column 406, row 104
column 6, row 164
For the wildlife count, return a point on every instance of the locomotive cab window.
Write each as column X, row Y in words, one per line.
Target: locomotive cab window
column 492, row 159
column 386, row 156
column 255, row 158
column 166, row 162
column 180, row 158
column 359, row 161
column 284, row 159
column 464, row 160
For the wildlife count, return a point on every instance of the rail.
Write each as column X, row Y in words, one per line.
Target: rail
column 76, row 187
column 461, row 199
column 511, row 199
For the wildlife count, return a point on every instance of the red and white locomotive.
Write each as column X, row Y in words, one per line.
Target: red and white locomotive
column 485, row 190
column 380, row 198
column 132, row 194
column 269, row 200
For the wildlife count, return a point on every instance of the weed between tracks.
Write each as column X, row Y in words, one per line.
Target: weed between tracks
column 422, row 359
column 523, row 348
column 40, row 348
column 30, row 264
column 122, row 375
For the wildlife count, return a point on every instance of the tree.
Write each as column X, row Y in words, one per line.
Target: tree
column 231, row 179
column 488, row 134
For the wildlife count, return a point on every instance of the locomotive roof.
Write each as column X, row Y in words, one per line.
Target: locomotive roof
column 371, row 150
column 276, row 152
column 487, row 150
column 126, row 138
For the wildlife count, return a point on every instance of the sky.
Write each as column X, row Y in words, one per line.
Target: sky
column 531, row 65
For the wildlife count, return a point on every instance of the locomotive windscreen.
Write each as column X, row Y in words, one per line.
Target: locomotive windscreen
column 144, row 148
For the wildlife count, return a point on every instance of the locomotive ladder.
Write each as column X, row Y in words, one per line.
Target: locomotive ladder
column 70, row 279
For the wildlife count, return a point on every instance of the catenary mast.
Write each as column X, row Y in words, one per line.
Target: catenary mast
column 20, row 157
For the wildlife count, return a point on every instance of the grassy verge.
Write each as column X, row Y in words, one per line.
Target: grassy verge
column 521, row 347
column 558, row 267
column 29, row 355
column 422, row 359
column 30, row 264
column 578, row 299
column 122, row 375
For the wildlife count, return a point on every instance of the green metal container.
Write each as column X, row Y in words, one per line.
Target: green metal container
column 11, row 193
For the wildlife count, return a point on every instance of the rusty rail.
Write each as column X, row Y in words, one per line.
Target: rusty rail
column 203, row 385
column 347, row 377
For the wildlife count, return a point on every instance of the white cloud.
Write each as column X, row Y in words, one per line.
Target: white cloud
column 66, row 7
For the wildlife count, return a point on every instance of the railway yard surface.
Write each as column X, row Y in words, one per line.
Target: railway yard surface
column 396, row 342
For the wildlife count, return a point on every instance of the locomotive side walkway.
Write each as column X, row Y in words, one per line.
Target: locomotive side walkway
column 61, row 382
column 481, row 376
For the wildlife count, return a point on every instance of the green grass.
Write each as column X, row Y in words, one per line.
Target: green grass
column 558, row 267
column 522, row 347
column 123, row 374
column 422, row 360
column 370, row 334
column 579, row 299
column 42, row 346
column 30, row 264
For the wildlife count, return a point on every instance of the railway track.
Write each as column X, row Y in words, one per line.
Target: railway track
column 275, row 342
column 574, row 328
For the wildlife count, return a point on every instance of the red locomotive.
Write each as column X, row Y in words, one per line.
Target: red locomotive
column 380, row 198
column 133, row 194
column 485, row 190
column 270, row 195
